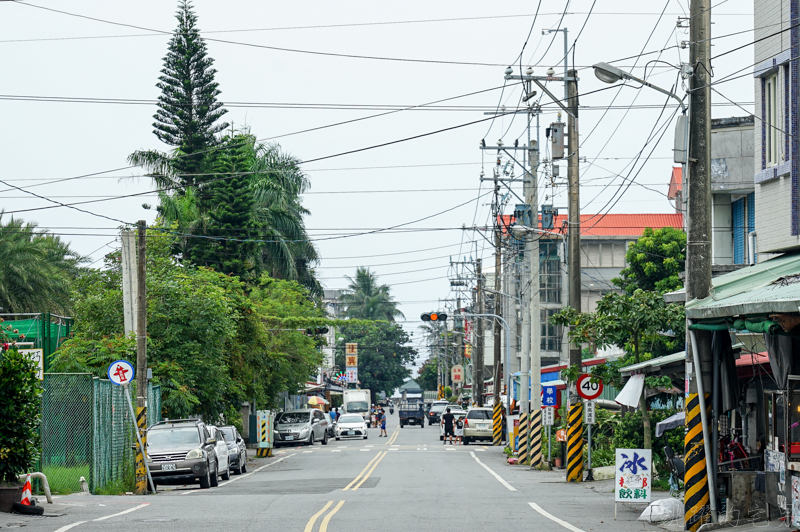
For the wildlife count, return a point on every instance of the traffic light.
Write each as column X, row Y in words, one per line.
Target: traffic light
column 434, row 316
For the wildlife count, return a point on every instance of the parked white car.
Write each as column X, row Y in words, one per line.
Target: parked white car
column 221, row 449
column 457, row 414
column 351, row 426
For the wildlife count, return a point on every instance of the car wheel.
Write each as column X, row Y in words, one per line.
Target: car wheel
column 215, row 476
column 310, row 438
column 226, row 475
column 337, row 438
column 325, row 439
column 205, row 481
column 366, row 436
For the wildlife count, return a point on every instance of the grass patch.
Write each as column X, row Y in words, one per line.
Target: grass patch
column 65, row 479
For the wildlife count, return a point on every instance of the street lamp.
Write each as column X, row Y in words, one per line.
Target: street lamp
column 611, row 74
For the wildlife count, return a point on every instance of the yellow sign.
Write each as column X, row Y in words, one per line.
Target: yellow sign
column 352, row 361
column 351, row 349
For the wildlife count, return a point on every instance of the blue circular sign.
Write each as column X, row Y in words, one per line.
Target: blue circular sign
column 121, row 372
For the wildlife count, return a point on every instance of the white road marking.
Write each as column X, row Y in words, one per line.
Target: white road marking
column 554, row 518
column 365, row 449
column 67, row 527
column 242, row 476
column 304, row 452
column 480, row 450
column 275, row 462
column 394, row 448
column 449, row 449
column 129, row 510
column 336, row 451
column 495, row 475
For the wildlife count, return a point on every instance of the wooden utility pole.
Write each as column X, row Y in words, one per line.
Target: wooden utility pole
column 478, row 362
column 697, row 504
column 574, row 214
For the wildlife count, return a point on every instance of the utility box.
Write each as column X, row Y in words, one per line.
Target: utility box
column 548, row 217
column 265, row 423
column 557, row 140
column 681, row 141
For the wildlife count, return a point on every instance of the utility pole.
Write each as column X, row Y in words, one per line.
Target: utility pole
column 698, row 271
column 130, row 284
column 574, row 214
column 497, row 291
column 478, row 362
column 141, row 361
column 535, row 417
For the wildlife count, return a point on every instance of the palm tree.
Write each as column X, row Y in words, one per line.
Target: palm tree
column 36, row 269
column 367, row 300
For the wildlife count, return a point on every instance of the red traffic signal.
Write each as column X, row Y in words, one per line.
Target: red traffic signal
column 434, row 316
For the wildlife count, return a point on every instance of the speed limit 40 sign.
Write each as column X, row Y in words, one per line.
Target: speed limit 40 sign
column 589, row 389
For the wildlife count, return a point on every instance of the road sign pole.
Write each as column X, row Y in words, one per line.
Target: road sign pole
column 142, row 450
column 589, row 475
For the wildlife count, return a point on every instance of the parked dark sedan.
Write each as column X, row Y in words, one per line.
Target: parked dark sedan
column 237, row 450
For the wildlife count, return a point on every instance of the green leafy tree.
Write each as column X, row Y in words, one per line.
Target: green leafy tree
column 626, row 321
column 383, row 354
column 427, row 377
column 367, row 300
column 654, row 261
column 20, row 414
column 36, row 269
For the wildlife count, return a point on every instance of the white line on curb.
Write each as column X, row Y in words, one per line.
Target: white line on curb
column 129, row 510
column 554, row 518
column 495, row 475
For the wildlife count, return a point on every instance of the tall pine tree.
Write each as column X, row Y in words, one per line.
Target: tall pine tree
column 188, row 109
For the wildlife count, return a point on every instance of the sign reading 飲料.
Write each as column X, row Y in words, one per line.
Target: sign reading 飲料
column 633, row 475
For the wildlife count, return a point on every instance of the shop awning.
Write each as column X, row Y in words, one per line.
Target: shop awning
column 654, row 364
column 772, row 286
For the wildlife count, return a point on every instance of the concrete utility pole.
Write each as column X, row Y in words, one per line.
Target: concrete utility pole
column 130, row 283
column 141, row 319
column 535, row 432
column 574, row 215
column 699, row 478
column 498, row 290
column 478, row 362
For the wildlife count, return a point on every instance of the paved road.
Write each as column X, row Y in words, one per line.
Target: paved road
column 409, row 481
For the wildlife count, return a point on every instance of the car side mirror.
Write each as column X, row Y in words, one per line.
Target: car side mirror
column 239, row 439
column 211, row 441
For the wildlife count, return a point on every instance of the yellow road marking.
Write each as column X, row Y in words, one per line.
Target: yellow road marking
column 310, row 524
column 323, row 527
column 370, row 471
column 393, row 438
column 362, row 472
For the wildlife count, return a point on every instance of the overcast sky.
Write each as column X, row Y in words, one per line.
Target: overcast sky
column 49, row 54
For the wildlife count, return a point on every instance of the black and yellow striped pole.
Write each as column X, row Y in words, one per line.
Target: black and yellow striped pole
column 497, row 424
column 522, row 452
column 535, row 435
column 575, row 443
column 263, row 435
column 141, row 471
column 696, row 503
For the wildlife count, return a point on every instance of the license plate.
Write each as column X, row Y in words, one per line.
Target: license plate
column 350, row 432
column 167, row 467
column 289, row 438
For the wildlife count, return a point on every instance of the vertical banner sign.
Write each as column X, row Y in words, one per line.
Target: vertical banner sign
column 549, row 396
column 351, row 348
column 351, row 361
column 633, row 472
column 795, row 500
column 352, row 375
column 589, row 412
column 37, row 355
column 548, row 416
column 457, row 374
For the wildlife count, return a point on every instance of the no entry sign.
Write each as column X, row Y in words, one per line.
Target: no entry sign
column 588, row 389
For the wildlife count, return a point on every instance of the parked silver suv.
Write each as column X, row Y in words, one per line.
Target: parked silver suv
column 181, row 451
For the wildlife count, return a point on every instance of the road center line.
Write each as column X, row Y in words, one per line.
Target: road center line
column 495, row 475
column 370, row 471
column 310, row 524
column 67, row 527
column 362, row 472
column 323, row 527
column 129, row 510
column 554, row 518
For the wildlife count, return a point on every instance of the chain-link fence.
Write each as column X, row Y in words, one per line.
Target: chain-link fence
column 87, row 431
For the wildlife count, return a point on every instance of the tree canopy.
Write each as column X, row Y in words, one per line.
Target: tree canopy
column 366, row 299
column 654, row 261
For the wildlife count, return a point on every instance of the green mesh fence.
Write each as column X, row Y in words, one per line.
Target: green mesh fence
column 87, row 432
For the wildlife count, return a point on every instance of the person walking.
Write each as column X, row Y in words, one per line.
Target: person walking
column 334, row 414
column 448, row 420
column 382, row 416
column 459, row 431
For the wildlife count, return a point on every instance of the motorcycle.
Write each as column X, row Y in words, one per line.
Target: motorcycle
column 391, row 410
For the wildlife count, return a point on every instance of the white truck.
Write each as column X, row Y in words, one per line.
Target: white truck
column 358, row 402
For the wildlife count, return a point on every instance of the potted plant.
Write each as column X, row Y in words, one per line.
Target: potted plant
column 20, row 412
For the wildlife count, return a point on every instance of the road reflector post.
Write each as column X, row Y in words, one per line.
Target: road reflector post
column 695, row 480
column 497, row 424
column 522, row 452
column 575, row 443
column 264, row 423
column 535, row 435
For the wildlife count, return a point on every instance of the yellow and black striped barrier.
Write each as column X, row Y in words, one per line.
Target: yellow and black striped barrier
column 141, row 472
column 696, row 504
column 575, row 443
column 497, row 424
column 522, row 451
column 536, row 438
column 263, row 452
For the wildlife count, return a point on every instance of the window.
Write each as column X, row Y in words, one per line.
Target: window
column 549, row 273
column 772, row 125
column 550, row 334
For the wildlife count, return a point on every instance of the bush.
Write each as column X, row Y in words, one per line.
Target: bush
column 20, row 412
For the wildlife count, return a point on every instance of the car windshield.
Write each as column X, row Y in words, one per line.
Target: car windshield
column 288, row 418
column 228, row 432
column 357, row 406
column 438, row 407
column 173, row 436
column 479, row 414
column 351, row 419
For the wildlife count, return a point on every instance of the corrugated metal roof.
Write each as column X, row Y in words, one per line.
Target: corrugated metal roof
column 675, row 182
column 653, row 363
column 632, row 225
column 772, row 286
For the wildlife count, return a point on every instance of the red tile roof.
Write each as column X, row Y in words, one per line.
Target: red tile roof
column 632, row 225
